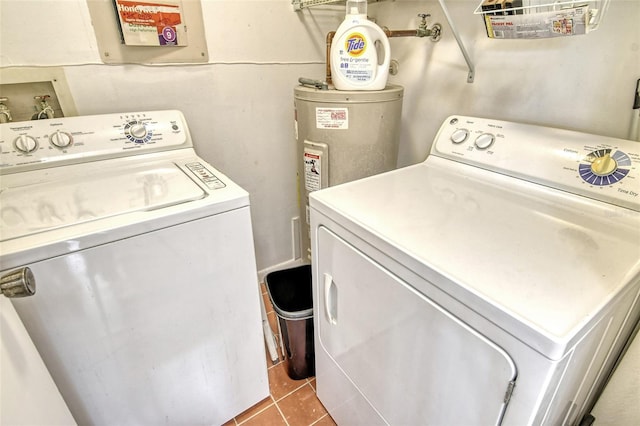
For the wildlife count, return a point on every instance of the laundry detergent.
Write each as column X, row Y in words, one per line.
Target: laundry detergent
column 360, row 52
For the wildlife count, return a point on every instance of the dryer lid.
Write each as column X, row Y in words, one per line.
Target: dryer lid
column 43, row 205
column 538, row 261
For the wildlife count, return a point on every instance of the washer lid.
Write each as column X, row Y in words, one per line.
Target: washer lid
column 537, row 261
column 76, row 198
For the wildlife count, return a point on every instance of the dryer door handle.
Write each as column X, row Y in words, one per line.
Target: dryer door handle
column 330, row 299
column 18, row 283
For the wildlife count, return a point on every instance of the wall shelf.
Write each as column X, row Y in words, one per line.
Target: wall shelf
column 534, row 19
column 298, row 5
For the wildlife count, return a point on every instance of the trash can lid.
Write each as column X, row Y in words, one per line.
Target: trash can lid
column 290, row 292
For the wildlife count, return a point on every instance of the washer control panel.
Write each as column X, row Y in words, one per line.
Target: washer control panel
column 35, row 144
column 599, row 167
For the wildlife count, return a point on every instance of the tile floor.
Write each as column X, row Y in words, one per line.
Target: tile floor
column 291, row 403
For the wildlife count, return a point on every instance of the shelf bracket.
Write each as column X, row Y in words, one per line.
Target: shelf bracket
column 471, row 74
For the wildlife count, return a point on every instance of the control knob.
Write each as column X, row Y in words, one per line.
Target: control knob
column 484, row 141
column 459, row 135
column 60, row 139
column 25, row 144
column 138, row 130
column 604, row 166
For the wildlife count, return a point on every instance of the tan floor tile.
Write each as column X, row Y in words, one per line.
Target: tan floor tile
column 280, row 384
column 325, row 421
column 260, row 406
column 302, row 407
column 269, row 417
column 312, row 382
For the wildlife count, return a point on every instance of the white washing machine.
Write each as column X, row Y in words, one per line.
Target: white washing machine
column 146, row 306
column 494, row 283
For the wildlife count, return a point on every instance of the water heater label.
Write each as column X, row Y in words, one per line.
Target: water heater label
column 332, row 118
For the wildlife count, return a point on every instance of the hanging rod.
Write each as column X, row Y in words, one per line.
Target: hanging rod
column 298, row 5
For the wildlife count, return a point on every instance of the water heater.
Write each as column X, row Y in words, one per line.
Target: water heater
column 343, row 136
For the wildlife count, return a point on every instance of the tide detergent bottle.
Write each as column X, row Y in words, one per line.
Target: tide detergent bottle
column 360, row 52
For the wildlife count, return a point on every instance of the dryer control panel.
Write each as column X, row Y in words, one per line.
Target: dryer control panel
column 28, row 145
column 598, row 167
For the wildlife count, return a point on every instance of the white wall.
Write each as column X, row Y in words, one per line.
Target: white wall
column 240, row 104
column 583, row 83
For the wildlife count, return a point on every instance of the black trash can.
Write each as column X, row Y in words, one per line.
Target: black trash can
column 291, row 295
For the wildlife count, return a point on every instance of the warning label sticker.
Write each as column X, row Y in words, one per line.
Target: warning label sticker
column 312, row 170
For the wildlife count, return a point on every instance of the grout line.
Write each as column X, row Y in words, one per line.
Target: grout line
column 293, row 391
column 281, row 413
column 273, row 402
column 317, row 421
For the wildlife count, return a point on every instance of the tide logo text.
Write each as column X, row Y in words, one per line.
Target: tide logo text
column 355, row 44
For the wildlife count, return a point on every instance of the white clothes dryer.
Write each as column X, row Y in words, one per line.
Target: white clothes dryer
column 146, row 308
column 494, row 283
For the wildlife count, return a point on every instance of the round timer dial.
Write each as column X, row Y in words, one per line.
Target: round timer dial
column 25, row 144
column 484, row 141
column 137, row 132
column 459, row 136
column 604, row 167
column 60, row 139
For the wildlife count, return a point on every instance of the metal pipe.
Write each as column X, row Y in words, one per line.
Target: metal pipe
column 45, row 108
column 322, row 85
column 401, row 33
column 330, row 36
column 634, row 131
column 422, row 31
column 5, row 114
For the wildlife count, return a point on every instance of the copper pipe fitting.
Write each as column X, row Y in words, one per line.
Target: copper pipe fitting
column 330, row 36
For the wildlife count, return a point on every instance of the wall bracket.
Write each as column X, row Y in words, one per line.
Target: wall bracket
column 471, row 73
